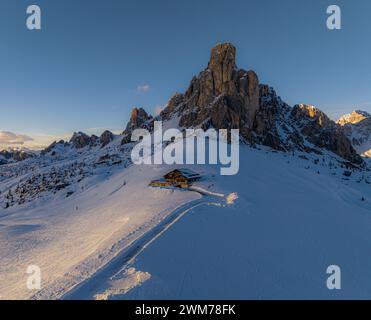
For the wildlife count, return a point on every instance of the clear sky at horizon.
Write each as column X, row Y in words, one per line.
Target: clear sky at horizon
column 94, row 60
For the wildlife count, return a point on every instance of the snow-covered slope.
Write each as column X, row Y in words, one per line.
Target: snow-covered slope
column 69, row 236
column 83, row 213
column 292, row 220
column 294, row 215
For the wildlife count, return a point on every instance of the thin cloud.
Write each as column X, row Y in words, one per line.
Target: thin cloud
column 11, row 138
column 144, row 88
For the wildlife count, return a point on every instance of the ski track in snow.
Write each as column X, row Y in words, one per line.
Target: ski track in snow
column 89, row 288
column 99, row 243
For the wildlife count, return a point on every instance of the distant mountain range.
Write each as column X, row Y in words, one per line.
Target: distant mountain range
column 222, row 97
column 225, row 97
column 15, row 155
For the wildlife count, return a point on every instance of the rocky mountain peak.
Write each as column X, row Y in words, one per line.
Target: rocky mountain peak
column 80, row 140
column 357, row 127
column 106, row 137
column 221, row 96
column 14, row 155
column 225, row 97
column 354, row 117
column 137, row 118
column 321, row 131
column 223, row 54
column 312, row 113
column 222, row 66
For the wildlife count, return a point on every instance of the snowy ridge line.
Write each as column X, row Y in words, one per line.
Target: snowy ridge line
column 37, row 177
column 124, row 258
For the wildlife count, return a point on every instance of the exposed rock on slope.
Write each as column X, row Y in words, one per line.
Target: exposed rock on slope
column 14, row 155
column 225, row 97
column 80, row 140
column 357, row 127
column 323, row 132
column 137, row 119
column 354, row 117
column 221, row 96
column 106, row 138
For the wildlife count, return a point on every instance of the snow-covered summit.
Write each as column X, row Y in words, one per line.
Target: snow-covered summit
column 357, row 127
column 354, row 117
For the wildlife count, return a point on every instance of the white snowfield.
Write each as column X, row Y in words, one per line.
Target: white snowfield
column 70, row 238
column 269, row 232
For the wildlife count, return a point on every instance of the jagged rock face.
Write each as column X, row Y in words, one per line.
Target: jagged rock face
column 137, row 119
column 80, row 140
column 20, row 156
column 310, row 119
column 222, row 66
column 106, row 138
column 323, row 132
column 172, row 105
column 221, row 96
column 357, row 127
column 354, row 117
column 225, row 97
column 269, row 118
column 15, row 155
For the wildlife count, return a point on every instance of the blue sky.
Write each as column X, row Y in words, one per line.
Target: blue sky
column 94, row 60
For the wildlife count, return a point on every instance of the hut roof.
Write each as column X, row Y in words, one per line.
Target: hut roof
column 187, row 173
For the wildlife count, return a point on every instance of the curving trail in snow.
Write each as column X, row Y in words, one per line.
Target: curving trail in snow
column 89, row 288
column 293, row 219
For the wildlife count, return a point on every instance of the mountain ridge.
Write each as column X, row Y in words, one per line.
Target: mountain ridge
column 78, row 205
column 223, row 96
column 357, row 127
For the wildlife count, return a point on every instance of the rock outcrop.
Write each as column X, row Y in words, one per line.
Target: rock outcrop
column 80, row 140
column 357, row 127
column 106, row 138
column 138, row 118
column 225, row 97
column 323, row 132
column 221, row 96
column 354, row 118
column 10, row 155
